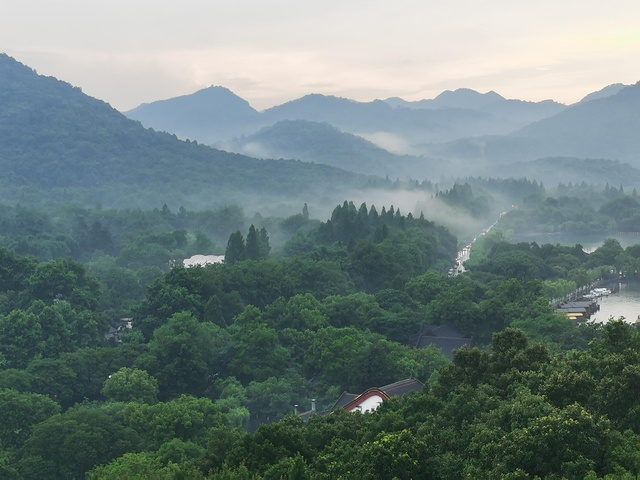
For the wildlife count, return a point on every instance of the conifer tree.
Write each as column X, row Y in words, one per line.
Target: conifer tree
column 252, row 249
column 235, row 251
column 265, row 248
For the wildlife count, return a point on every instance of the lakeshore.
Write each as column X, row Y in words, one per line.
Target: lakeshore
column 624, row 303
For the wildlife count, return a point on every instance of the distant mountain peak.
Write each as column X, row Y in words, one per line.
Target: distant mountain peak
column 213, row 96
column 465, row 98
column 320, row 97
column 605, row 92
column 54, row 138
column 204, row 115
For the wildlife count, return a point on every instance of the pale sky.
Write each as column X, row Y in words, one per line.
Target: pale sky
column 127, row 52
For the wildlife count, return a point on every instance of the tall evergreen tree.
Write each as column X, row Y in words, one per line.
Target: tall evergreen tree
column 265, row 248
column 235, row 251
column 252, row 249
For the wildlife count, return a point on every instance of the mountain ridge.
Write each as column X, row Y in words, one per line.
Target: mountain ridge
column 322, row 143
column 57, row 142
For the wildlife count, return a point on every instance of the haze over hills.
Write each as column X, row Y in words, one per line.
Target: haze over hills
column 58, row 143
column 459, row 132
column 323, row 143
column 554, row 170
column 519, row 113
column 447, row 120
column 460, row 98
column 56, row 139
column 604, row 127
column 206, row 115
column 371, row 118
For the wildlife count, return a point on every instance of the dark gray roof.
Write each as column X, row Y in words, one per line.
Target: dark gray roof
column 446, row 331
column 584, row 304
column 434, row 331
column 307, row 415
column 572, row 310
column 344, row 399
column 445, row 344
column 396, row 389
column 399, row 389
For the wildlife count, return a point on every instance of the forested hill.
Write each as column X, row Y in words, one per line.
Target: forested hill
column 322, row 143
column 205, row 116
column 604, row 127
column 58, row 142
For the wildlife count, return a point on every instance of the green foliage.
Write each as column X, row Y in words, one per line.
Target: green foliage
column 83, row 438
column 461, row 195
column 127, row 385
column 20, row 412
column 135, row 466
column 251, row 340
column 184, row 354
column 236, row 250
column 258, row 353
column 186, row 418
column 64, row 280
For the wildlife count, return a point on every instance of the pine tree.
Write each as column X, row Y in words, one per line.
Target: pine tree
column 235, row 251
column 252, row 249
column 265, row 248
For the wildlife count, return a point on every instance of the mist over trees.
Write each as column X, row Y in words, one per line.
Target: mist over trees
column 117, row 361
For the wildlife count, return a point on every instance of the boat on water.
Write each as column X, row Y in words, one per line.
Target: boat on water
column 601, row 291
column 597, row 293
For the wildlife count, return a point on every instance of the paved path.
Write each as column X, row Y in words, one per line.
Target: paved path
column 463, row 255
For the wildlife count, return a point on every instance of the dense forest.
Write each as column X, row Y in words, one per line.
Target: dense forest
column 118, row 361
column 204, row 383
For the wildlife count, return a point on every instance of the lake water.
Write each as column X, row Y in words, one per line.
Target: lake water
column 625, row 303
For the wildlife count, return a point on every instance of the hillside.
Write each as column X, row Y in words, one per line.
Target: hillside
column 604, row 92
column 460, row 98
column 58, row 143
column 519, row 113
column 188, row 118
column 206, row 115
column 368, row 118
column 600, row 128
column 322, row 143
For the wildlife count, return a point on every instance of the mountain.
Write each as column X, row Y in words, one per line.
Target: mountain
column 605, row 92
column 518, row 112
column 206, row 116
column 602, row 128
column 462, row 98
column 323, row 143
column 331, row 109
column 208, row 123
column 370, row 118
column 58, row 143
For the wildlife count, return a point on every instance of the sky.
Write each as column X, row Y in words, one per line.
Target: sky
column 128, row 52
